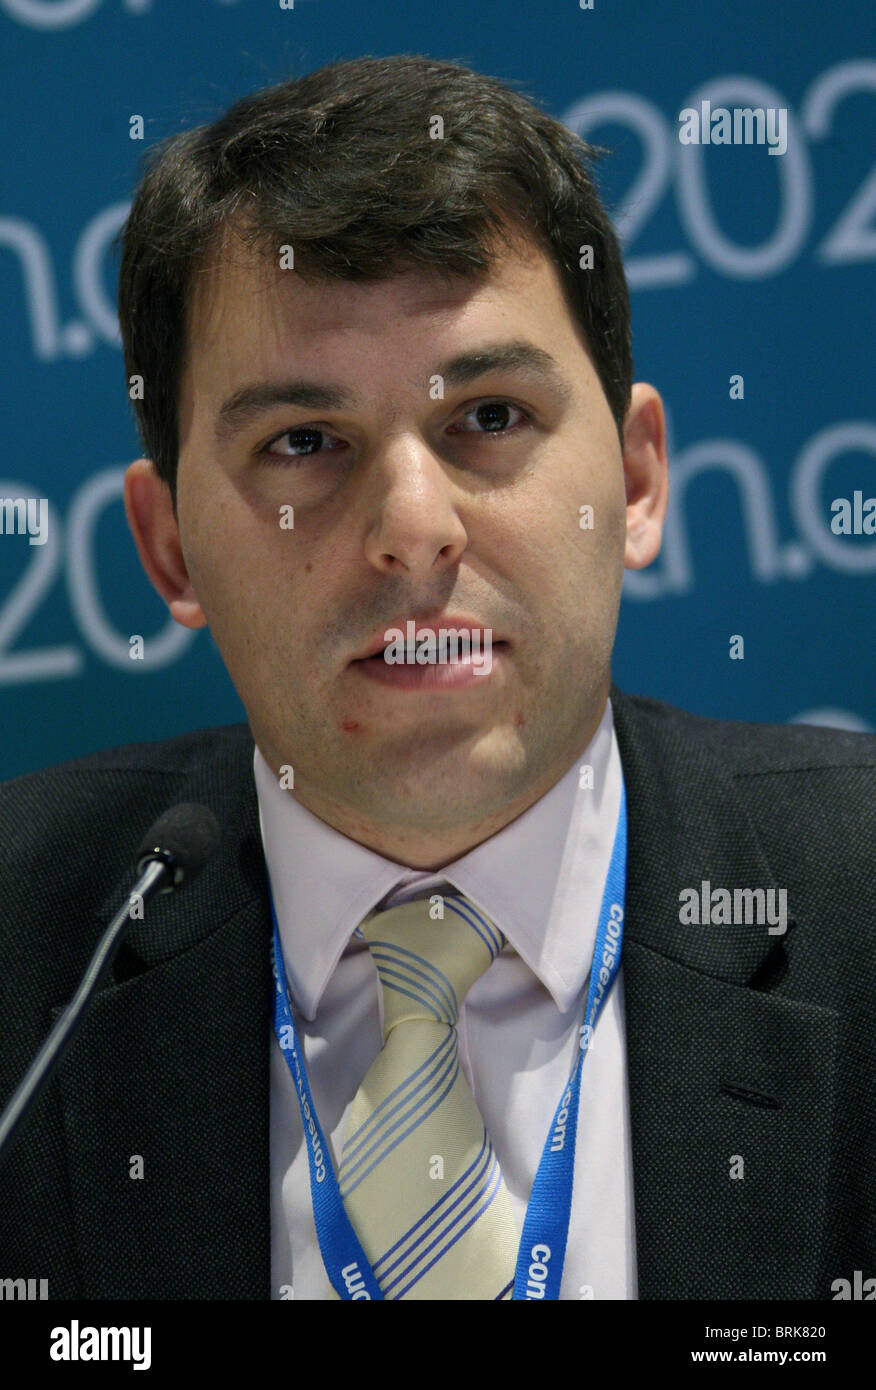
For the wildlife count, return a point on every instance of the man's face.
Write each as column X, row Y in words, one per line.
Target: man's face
column 408, row 504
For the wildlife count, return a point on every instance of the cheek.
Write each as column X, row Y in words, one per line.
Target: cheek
column 552, row 551
column 235, row 581
column 569, row 566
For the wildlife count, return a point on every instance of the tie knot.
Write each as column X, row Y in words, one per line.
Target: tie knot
column 429, row 956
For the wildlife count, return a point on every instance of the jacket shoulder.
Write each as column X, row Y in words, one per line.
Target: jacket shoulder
column 170, row 756
column 69, row 834
column 748, row 748
column 77, row 823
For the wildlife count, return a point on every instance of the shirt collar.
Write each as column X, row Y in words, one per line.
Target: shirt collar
column 540, row 879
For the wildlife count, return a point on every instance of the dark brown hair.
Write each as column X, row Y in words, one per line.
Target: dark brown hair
column 340, row 165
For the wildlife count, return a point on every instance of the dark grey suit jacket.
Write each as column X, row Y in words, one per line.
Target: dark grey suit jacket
column 740, row 1043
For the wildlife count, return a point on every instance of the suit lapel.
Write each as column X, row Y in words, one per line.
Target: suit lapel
column 171, row 1067
column 730, row 1082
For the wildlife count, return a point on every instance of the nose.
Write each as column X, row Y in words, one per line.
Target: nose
column 416, row 526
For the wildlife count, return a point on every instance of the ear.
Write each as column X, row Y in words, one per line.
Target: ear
column 646, row 472
column 149, row 509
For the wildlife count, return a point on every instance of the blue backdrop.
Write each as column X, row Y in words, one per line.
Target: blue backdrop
column 741, row 264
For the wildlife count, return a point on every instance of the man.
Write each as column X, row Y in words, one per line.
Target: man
column 382, row 329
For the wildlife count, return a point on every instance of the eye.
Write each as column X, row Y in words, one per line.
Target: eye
column 308, row 437
column 491, row 414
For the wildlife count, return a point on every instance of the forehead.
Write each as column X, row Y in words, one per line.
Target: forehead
column 249, row 318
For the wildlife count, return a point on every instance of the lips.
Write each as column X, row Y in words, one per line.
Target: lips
column 379, row 642
column 379, row 656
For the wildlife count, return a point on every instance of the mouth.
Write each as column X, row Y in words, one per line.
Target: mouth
column 414, row 630
column 445, row 673
column 378, row 658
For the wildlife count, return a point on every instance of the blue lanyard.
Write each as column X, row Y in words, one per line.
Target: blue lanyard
column 542, row 1250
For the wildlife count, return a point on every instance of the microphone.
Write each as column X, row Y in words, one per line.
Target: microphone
column 172, row 853
column 184, row 838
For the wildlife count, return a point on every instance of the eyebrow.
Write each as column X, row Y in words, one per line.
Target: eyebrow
column 249, row 402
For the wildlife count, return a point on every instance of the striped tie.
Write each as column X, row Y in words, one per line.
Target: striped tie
column 419, row 1178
